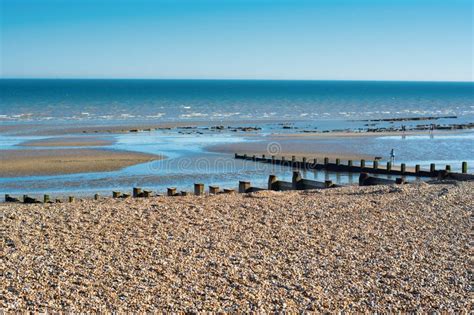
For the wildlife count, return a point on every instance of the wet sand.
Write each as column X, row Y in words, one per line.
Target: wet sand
column 67, row 161
column 354, row 249
column 68, row 142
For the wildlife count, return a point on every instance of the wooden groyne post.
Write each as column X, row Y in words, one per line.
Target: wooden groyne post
column 464, row 167
column 171, row 191
column 295, row 179
column 199, row 189
column 213, row 190
column 243, row 186
column 137, row 192
column 116, row 194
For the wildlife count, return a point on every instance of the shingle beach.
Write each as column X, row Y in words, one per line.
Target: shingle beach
column 374, row 248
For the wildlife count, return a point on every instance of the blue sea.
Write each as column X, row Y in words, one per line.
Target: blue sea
column 178, row 100
column 28, row 107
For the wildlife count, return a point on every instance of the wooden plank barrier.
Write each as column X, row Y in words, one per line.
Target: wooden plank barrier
column 338, row 166
column 366, row 180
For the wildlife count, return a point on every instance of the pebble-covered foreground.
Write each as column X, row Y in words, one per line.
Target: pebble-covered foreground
column 354, row 248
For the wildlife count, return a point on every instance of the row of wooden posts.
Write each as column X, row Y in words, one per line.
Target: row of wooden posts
column 363, row 167
column 297, row 183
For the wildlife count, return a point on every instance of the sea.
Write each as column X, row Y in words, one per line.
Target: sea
column 30, row 106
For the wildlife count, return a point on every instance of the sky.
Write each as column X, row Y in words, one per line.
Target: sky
column 415, row 40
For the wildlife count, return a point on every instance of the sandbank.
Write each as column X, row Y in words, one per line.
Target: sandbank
column 67, row 161
column 68, row 142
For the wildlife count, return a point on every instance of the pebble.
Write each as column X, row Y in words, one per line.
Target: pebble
column 357, row 249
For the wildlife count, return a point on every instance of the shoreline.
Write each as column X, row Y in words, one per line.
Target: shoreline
column 42, row 162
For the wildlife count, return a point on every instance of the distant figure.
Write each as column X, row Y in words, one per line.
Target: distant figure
column 392, row 156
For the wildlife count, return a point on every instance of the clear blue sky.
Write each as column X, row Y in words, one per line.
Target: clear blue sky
column 240, row 39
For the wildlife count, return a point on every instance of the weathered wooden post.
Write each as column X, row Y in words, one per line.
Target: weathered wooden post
column 46, row 199
column 125, row 196
column 282, row 160
column 254, row 158
column 448, row 168
column 432, row 168
column 229, row 191
column 243, row 186
column 295, row 179
column 304, row 161
column 271, row 180
column 338, row 161
column 417, row 168
column 328, row 183
column 213, row 190
column 96, row 197
column 375, row 164
column 273, row 159
column 199, row 189
column 403, row 168
column 362, row 163
column 136, row 192
column 326, row 161
column 58, row 201
column 71, row 198
column 235, row 155
column 349, row 163
column 116, row 194
column 245, row 156
column 464, row 167
column 171, row 191
column 389, row 166
column 147, row 193
column 184, row 193
column 293, row 160
column 315, row 162
column 263, row 156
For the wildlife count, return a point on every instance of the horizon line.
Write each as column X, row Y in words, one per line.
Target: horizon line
column 228, row 79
